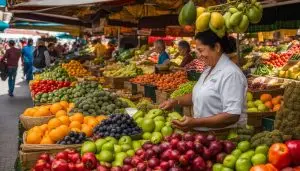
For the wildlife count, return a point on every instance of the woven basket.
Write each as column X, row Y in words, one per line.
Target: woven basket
column 273, row 92
column 29, row 122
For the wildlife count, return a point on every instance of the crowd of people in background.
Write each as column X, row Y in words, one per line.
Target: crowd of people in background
column 33, row 58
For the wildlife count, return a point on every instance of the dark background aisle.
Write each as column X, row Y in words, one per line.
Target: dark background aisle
column 10, row 109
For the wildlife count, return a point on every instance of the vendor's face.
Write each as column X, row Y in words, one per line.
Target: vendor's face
column 210, row 55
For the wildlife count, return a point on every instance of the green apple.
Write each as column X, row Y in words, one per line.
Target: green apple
column 138, row 114
column 217, row 167
column 143, row 141
column 126, row 147
column 120, row 156
column 243, row 164
column 249, row 96
column 167, row 131
column 154, row 113
column 99, row 144
column 117, row 148
column 147, row 136
column 247, row 154
column 158, row 125
column 148, row 125
column 168, row 124
column 117, row 163
column 136, row 145
column 125, row 140
column 263, row 149
column 244, row 146
column 111, row 139
column 258, row 159
column 156, row 137
column 253, row 109
column 236, row 153
column 106, row 156
column 139, row 121
column 130, row 153
column 229, row 161
column 258, row 102
column 226, row 169
column 261, row 107
column 108, row 146
column 159, row 118
column 250, row 104
column 88, row 146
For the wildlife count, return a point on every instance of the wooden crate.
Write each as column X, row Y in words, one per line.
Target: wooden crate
column 162, row 96
column 140, row 89
column 116, row 83
column 273, row 92
column 127, row 85
column 255, row 118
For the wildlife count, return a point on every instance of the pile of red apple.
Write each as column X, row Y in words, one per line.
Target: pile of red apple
column 67, row 160
column 187, row 152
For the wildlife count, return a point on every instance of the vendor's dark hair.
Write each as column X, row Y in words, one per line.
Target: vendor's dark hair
column 161, row 42
column 210, row 39
column 11, row 43
column 185, row 45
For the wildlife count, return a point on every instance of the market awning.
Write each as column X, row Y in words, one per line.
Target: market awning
column 61, row 2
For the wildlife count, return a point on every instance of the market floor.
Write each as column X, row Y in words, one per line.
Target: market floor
column 10, row 109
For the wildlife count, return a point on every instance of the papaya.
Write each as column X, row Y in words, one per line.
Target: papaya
column 254, row 15
column 219, row 32
column 233, row 10
column 253, row 2
column 241, row 6
column 217, row 20
column 200, row 10
column 202, row 22
column 243, row 26
column 259, row 7
column 188, row 14
column 227, row 16
column 236, row 18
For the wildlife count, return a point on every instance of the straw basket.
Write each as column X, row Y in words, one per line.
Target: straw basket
column 29, row 122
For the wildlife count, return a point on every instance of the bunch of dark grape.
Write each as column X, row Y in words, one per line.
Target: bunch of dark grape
column 117, row 125
column 73, row 138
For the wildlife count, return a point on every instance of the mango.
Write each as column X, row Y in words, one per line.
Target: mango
column 243, row 26
column 254, row 15
column 202, row 22
column 217, row 20
column 219, row 32
column 200, row 10
column 226, row 17
column 188, row 14
column 236, row 18
column 259, row 6
column 241, row 6
column 233, row 10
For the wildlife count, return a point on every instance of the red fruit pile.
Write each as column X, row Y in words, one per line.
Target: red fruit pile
column 45, row 86
column 197, row 65
column 185, row 152
column 68, row 160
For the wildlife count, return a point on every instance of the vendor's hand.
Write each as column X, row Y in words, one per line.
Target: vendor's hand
column 168, row 104
column 185, row 124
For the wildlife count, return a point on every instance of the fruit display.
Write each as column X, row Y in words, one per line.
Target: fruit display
column 179, row 152
column 145, row 79
column 291, row 71
column 45, row 86
column 73, row 138
column 145, row 104
column 241, row 134
column 98, row 102
column 243, row 158
column 183, row 89
column 59, row 127
column 126, row 71
column 268, row 138
column 110, row 151
column 167, row 81
column 295, row 57
column 75, row 69
column 117, row 125
column 67, row 160
column 235, row 17
column 262, row 70
column 57, row 109
column 67, row 93
column 264, row 83
column 58, row 74
column 264, row 104
column 288, row 117
column 155, row 124
column 196, row 65
column 277, row 60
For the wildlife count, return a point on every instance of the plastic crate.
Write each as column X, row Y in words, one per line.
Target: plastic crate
column 150, row 92
column 268, row 123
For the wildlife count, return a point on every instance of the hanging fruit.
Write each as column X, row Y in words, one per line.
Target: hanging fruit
column 188, row 14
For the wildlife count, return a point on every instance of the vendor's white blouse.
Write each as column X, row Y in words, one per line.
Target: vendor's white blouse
column 224, row 90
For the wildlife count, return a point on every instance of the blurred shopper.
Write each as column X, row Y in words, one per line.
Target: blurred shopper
column 100, row 49
column 54, row 55
column 27, row 59
column 163, row 59
column 41, row 56
column 12, row 56
column 185, row 51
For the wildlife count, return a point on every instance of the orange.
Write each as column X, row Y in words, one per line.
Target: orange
column 101, row 117
column 37, row 130
column 276, row 107
column 86, row 119
column 42, row 111
column 55, row 107
column 87, row 130
column 93, row 122
column 265, row 97
column 64, row 120
column 55, row 134
column 64, row 104
column 276, row 101
column 54, row 123
column 29, row 112
column 33, row 138
column 77, row 117
column 47, row 140
column 60, row 113
column 269, row 104
column 75, row 130
column 44, row 127
column 64, row 129
column 75, row 124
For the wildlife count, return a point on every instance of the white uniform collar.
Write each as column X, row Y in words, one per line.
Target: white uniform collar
column 220, row 64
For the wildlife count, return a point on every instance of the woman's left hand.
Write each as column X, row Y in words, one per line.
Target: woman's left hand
column 185, row 124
